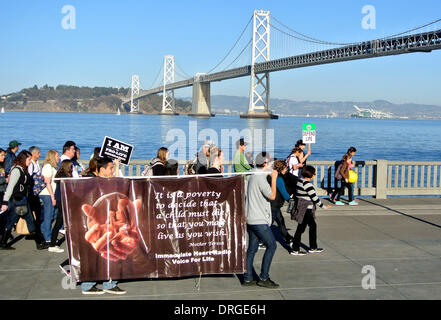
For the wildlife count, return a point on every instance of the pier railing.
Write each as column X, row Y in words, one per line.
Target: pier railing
column 377, row 178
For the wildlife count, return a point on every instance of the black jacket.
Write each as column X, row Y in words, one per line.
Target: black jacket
column 290, row 182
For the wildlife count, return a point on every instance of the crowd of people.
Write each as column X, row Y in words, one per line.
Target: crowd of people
column 31, row 191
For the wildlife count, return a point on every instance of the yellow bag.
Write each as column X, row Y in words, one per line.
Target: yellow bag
column 353, row 177
column 22, row 227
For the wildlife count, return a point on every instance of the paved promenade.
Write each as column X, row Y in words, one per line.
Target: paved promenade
column 400, row 238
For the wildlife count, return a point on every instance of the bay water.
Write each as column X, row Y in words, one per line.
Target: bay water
column 390, row 139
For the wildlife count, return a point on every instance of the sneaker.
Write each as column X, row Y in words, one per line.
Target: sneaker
column 316, row 250
column 268, row 283
column 339, row 203
column 42, row 246
column 93, row 290
column 115, row 290
column 262, row 246
column 249, row 283
column 56, row 249
column 353, row 203
column 298, row 253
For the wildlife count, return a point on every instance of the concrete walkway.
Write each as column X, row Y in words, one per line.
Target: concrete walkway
column 400, row 238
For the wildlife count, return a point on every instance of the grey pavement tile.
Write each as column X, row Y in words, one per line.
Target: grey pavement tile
column 405, row 251
column 16, row 285
column 342, row 293
column 347, row 228
column 409, row 271
column 421, row 291
column 431, row 246
column 416, row 227
column 378, row 249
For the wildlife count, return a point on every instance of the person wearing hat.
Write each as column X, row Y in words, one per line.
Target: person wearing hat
column 240, row 162
column 202, row 162
column 10, row 155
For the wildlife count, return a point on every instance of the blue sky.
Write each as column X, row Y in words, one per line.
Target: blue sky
column 115, row 39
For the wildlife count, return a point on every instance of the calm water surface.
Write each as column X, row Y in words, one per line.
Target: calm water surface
column 388, row 139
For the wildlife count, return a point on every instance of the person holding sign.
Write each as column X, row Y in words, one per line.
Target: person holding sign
column 259, row 219
column 293, row 162
column 302, row 157
column 105, row 170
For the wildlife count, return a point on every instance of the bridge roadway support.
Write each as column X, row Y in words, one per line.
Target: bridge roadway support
column 168, row 113
column 201, row 106
column 259, row 115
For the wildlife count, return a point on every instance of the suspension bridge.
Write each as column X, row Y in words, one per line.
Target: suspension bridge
column 300, row 51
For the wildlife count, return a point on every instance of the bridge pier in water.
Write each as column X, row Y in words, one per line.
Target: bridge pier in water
column 201, row 105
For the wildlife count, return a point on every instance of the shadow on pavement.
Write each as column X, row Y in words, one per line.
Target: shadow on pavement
column 402, row 213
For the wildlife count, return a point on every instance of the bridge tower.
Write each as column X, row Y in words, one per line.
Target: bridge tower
column 168, row 96
column 134, row 103
column 260, row 83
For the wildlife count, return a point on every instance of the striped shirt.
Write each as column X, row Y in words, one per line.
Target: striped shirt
column 305, row 190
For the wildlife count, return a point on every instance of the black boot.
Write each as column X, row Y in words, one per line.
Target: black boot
column 4, row 243
column 40, row 243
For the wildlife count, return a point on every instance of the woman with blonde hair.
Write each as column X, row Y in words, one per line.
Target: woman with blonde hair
column 47, row 196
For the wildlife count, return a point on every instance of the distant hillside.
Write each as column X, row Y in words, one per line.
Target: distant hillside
column 341, row 109
column 65, row 98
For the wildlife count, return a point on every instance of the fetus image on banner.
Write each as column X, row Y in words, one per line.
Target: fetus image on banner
column 112, row 229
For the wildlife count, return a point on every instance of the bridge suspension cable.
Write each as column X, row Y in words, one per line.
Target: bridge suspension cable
column 306, row 38
column 415, row 29
column 157, row 77
column 181, row 71
column 232, row 48
column 238, row 56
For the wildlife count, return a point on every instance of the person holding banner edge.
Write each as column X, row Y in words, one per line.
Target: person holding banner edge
column 259, row 219
column 105, row 170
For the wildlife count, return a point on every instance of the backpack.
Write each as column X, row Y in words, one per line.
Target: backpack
column 148, row 170
column 189, row 167
column 288, row 158
column 39, row 183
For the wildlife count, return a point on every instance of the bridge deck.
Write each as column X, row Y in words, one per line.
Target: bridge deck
column 419, row 42
column 401, row 238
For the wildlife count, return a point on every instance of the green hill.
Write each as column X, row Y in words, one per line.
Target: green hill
column 64, row 98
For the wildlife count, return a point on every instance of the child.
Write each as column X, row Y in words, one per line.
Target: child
column 342, row 174
column 304, row 212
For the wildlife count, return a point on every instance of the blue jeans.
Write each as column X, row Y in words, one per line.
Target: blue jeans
column 263, row 233
column 48, row 217
column 12, row 218
column 85, row 286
